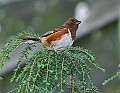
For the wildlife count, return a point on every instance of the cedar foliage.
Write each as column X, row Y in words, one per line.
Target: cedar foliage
column 48, row 71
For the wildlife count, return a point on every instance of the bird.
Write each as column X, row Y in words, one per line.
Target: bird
column 59, row 38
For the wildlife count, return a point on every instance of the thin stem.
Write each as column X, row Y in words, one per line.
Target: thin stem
column 72, row 81
column 36, row 75
column 27, row 87
column 47, row 72
column 56, row 64
column 11, row 52
column 61, row 74
column 75, row 89
column 83, row 76
column 35, row 79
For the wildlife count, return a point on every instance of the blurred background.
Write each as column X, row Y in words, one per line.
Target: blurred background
column 99, row 31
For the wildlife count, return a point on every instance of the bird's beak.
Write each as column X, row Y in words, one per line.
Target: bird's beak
column 78, row 22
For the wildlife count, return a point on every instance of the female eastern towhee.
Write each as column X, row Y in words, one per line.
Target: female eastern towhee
column 59, row 38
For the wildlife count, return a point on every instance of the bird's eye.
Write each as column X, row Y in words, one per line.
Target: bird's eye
column 72, row 20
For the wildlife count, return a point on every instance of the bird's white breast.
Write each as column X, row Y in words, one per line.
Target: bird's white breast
column 63, row 43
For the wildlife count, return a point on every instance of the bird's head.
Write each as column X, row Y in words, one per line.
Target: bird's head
column 72, row 23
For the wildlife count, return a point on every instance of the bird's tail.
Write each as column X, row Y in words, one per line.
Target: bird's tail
column 30, row 40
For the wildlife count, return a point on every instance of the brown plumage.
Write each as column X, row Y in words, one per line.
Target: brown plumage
column 59, row 38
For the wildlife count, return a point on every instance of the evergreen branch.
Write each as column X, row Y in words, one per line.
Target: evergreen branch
column 111, row 78
column 47, row 71
column 61, row 79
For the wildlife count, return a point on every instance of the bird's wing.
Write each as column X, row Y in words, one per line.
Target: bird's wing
column 48, row 33
column 53, row 31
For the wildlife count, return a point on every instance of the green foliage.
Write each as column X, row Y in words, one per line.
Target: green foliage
column 1, row 78
column 111, row 78
column 51, row 72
